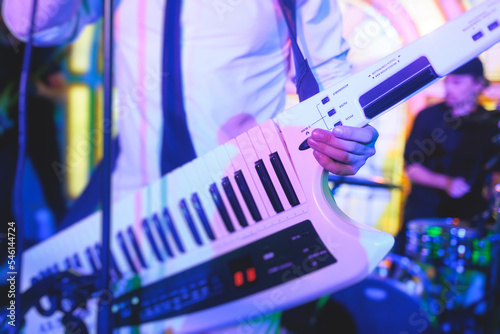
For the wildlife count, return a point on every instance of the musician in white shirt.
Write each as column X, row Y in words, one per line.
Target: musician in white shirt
column 235, row 58
column 235, row 64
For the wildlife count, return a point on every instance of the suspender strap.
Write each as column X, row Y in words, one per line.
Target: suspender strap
column 177, row 148
column 306, row 84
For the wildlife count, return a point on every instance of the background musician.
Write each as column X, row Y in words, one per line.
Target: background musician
column 447, row 150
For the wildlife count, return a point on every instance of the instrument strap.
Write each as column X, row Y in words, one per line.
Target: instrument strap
column 177, row 147
column 305, row 81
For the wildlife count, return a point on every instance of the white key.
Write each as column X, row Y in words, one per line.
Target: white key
column 159, row 201
column 144, row 210
column 262, row 151
column 227, row 169
column 203, row 181
column 93, row 257
column 239, row 164
column 216, row 174
column 68, row 243
column 208, row 212
column 154, row 240
column 248, row 153
column 150, row 206
column 188, row 191
column 275, row 143
column 115, row 271
column 174, row 185
column 129, row 214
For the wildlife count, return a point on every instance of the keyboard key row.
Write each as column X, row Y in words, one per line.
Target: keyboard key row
column 241, row 183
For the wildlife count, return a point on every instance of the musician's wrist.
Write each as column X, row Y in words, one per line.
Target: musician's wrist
column 448, row 183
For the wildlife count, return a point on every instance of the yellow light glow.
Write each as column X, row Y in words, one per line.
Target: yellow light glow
column 98, row 134
column 79, row 145
column 80, row 54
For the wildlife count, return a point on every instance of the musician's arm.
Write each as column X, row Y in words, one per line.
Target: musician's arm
column 56, row 21
column 416, row 160
column 319, row 30
column 456, row 187
column 53, row 88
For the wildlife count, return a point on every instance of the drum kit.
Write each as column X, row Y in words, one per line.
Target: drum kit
column 449, row 242
column 459, row 260
column 446, row 282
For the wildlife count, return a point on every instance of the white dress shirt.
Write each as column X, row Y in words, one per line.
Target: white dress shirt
column 235, row 63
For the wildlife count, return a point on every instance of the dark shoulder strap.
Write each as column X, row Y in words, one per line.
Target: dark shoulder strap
column 306, row 83
column 177, row 147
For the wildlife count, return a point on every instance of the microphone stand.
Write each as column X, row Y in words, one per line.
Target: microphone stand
column 17, row 268
column 104, row 324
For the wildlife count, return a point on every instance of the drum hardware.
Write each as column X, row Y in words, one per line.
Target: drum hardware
column 460, row 260
column 393, row 291
column 493, row 289
column 375, row 182
column 451, row 242
column 335, row 181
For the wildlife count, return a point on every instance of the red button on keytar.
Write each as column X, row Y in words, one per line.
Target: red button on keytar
column 238, row 278
column 251, row 275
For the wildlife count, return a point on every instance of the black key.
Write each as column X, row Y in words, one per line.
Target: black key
column 247, row 195
column 67, row 263
column 112, row 261
column 284, row 179
column 162, row 235
column 97, row 258
column 93, row 264
column 173, row 230
column 135, row 245
column 123, row 246
column 221, row 207
column 55, row 269
column 233, row 200
column 201, row 213
column 190, row 222
column 76, row 260
column 149, row 234
column 117, row 271
column 268, row 186
column 45, row 273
